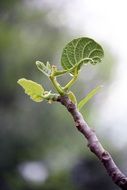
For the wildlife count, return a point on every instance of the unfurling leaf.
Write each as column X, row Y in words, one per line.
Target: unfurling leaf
column 72, row 97
column 88, row 97
column 81, row 51
column 45, row 69
column 33, row 89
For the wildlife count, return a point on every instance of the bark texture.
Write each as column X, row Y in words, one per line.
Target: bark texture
column 94, row 145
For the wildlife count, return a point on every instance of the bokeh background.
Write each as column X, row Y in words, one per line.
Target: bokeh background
column 39, row 146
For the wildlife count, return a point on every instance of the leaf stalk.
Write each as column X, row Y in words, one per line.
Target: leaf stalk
column 72, row 81
column 55, row 82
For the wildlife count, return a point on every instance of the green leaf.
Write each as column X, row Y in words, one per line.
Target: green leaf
column 72, row 97
column 45, row 69
column 88, row 97
column 48, row 66
column 33, row 89
column 81, row 51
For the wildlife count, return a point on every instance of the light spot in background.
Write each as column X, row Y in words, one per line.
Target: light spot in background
column 34, row 172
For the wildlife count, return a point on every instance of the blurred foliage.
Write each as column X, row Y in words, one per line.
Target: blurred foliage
column 30, row 131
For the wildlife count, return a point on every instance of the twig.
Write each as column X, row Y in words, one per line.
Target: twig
column 94, row 145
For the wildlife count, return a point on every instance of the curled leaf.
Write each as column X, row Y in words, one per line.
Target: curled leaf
column 45, row 69
column 33, row 89
column 89, row 96
column 81, row 51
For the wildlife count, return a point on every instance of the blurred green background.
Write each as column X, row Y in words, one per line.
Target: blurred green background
column 39, row 146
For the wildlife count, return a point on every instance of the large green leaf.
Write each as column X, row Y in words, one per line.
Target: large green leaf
column 89, row 96
column 81, row 51
column 33, row 89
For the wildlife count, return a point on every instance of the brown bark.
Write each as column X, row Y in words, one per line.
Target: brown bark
column 94, row 145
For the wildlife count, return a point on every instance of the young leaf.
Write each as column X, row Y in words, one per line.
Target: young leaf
column 88, row 97
column 33, row 89
column 81, row 51
column 48, row 66
column 72, row 97
column 45, row 69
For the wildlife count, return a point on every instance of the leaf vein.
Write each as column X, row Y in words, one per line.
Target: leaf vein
column 85, row 47
column 76, row 47
column 74, row 52
column 95, row 49
column 68, row 58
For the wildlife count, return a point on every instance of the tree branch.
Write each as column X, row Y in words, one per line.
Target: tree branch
column 94, row 145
